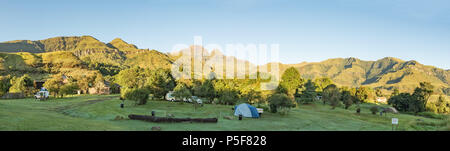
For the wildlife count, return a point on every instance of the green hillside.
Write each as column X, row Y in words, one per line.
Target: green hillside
column 387, row 73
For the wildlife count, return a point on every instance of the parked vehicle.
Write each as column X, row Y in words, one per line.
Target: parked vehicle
column 197, row 99
column 170, row 97
column 43, row 94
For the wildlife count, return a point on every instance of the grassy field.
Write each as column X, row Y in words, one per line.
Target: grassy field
column 99, row 113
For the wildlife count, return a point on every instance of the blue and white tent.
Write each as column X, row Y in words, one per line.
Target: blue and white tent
column 246, row 110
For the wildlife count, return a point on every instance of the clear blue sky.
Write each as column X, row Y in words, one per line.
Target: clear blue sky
column 306, row 30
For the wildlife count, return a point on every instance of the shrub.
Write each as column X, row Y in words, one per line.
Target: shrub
column 4, row 84
column 263, row 106
column 228, row 98
column 180, row 92
column 140, row 96
column 279, row 101
column 374, row 109
column 69, row 88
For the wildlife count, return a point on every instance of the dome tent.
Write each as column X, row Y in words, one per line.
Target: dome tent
column 246, row 110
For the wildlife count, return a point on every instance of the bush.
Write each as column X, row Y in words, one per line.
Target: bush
column 263, row 106
column 374, row 109
column 279, row 101
column 228, row 98
column 139, row 95
column 69, row 88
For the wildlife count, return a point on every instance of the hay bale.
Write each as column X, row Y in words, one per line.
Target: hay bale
column 156, row 128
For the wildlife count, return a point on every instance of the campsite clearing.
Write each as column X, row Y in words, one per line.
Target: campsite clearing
column 101, row 112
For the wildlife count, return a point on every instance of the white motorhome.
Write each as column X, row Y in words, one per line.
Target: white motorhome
column 169, row 97
column 42, row 94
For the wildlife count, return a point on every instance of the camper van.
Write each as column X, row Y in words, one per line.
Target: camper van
column 42, row 94
column 169, row 97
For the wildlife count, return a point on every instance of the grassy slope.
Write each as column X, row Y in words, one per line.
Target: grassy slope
column 98, row 112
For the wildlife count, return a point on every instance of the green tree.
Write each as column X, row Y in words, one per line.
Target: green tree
column 308, row 95
column 422, row 95
column 279, row 101
column 23, row 84
column 181, row 92
column 402, row 102
column 442, row 105
column 139, row 95
column 331, row 94
column 160, row 82
column 69, row 88
column 290, row 81
column 99, row 83
column 347, row 98
column 204, row 89
column 131, row 78
column 54, row 84
column 5, row 84
column 322, row 83
column 363, row 94
column 251, row 95
column 228, row 97
column 83, row 83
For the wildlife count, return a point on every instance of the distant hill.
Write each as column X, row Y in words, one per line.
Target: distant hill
column 87, row 48
column 21, row 56
column 387, row 73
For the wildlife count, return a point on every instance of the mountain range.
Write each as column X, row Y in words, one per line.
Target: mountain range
column 386, row 73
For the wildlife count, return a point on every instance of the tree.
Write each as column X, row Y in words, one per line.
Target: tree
column 139, row 95
column 131, row 78
column 442, row 105
column 279, row 101
column 180, row 92
column 290, row 81
column 23, row 84
column 54, row 84
column 5, row 84
column 347, row 98
column 400, row 101
column 68, row 88
column 322, row 83
column 363, row 94
column 160, row 82
column 228, row 97
column 331, row 94
column 308, row 95
column 83, row 83
column 99, row 83
column 422, row 95
column 251, row 95
column 204, row 89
